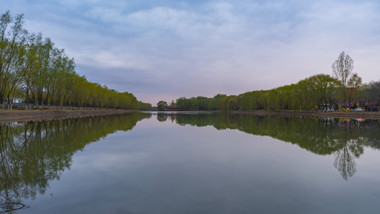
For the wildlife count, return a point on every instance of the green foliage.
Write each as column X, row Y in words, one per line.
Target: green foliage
column 12, row 52
column 316, row 91
column 162, row 105
column 47, row 75
column 370, row 94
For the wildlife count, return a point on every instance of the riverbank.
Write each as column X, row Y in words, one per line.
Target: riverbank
column 40, row 115
column 349, row 115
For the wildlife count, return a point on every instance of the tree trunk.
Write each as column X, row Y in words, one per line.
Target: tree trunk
column 27, row 98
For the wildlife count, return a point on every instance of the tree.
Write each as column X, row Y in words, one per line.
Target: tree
column 12, row 53
column 162, row 105
column 46, row 74
column 374, row 92
column 321, row 89
column 342, row 70
column 353, row 83
column 217, row 102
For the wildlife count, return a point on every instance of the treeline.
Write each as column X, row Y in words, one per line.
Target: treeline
column 319, row 91
column 32, row 68
column 343, row 90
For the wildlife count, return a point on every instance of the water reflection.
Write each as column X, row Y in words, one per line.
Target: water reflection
column 162, row 117
column 35, row 153
column 345, row 139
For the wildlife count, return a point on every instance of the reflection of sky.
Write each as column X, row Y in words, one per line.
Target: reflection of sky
column 165, row 168
column 165, row 49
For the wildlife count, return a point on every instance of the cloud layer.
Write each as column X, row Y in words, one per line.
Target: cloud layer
column 167, row 49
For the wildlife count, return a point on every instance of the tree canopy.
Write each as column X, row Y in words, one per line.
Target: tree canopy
column 162, row 105
column 313, row 92
column 46, row 75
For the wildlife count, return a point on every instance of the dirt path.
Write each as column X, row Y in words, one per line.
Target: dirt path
column 39, row 115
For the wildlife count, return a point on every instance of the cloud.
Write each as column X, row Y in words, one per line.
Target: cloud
column 167, row 49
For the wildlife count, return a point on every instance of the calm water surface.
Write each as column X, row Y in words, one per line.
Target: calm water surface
column 190, row 163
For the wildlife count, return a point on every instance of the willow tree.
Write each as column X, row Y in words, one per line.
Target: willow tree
column 321, row 89
column 47, row 75
column 12, row 53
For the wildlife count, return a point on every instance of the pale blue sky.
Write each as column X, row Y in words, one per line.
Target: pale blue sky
column 165, row 49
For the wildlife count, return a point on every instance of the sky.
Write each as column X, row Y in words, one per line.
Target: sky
column 167, row 49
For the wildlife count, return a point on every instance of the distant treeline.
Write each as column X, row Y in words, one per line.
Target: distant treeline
column 33, row 69
column 319, row 91
column 344, row 90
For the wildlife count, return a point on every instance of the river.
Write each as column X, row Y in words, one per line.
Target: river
column 190, row 163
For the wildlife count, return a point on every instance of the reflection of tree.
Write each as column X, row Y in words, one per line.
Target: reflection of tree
column 352, row 147
column 9, row 199
column 33, row 154
column 345, row 158
column 345, row 139
column 162, row 117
